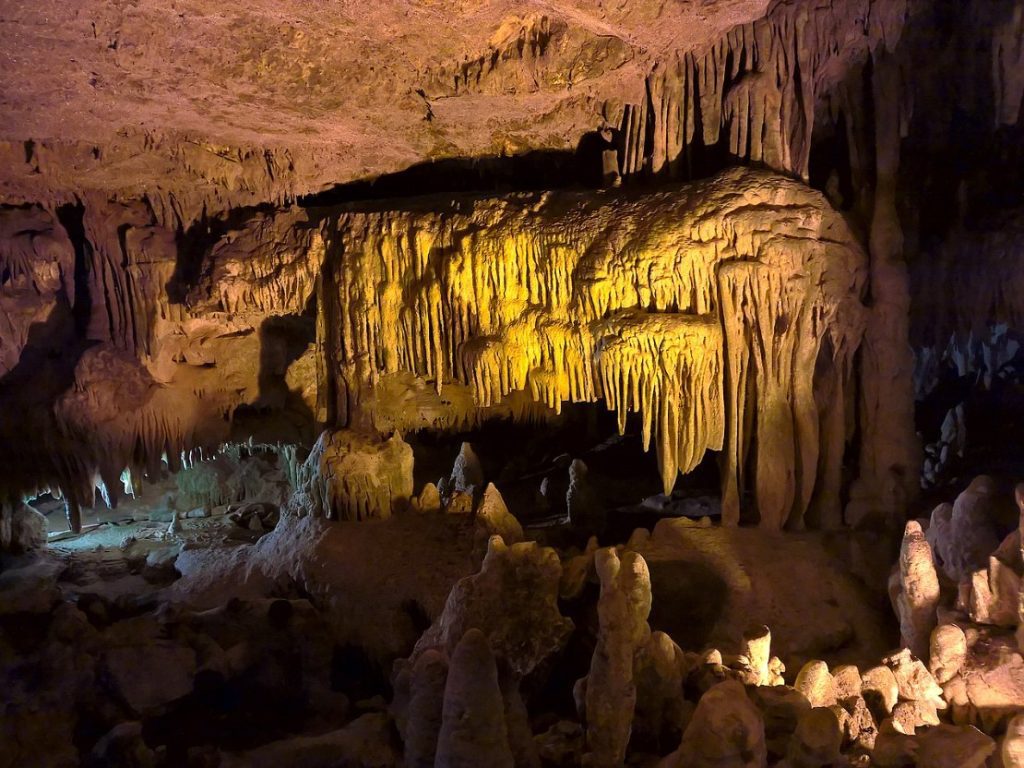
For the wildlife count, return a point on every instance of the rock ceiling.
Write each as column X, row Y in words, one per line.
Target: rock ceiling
column 291, row 97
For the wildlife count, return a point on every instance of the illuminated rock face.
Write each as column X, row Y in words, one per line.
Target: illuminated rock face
column 713, row 310
column 725, row 313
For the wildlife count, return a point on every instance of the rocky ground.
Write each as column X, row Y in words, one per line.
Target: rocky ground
column 445, row 634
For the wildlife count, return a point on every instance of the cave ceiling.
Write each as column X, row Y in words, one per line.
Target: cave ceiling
column 271, row 99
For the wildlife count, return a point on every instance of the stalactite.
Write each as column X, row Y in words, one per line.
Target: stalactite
column 753, row 91
column 703, row 309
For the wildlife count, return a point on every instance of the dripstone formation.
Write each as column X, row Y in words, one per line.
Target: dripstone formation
column 510, row 383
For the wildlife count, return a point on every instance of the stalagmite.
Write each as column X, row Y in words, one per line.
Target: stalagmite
column 426, row 701
column 467, row 472
column 473, row 731
column 351, row 477
column 814, row 681
column 580, row 500
column 495, row 518
column 513, row 600
column 610, row 698
column 965, row 534
column 918, row 596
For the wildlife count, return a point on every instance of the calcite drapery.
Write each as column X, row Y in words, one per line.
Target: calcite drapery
column 705, row 309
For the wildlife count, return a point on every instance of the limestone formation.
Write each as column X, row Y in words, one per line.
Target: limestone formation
column 21, row 528
column 948, row 652
column 757, row 644
column 583, row 505
column 815, row 682
column 1012, row 749
column 918, row 597
column 610, row 685
column 846, row 682
column 817, row 739
column 951, row 746
column 965, row 536
column 995, row 594
column 473, row 730
column 493, row 516
column 424, row 716
column 658, row 672
column 489, row 316
column 880, row 690
column 780, row 241
column 350, row 477
column 513, row 600
column 913, row 680
column 467, row 473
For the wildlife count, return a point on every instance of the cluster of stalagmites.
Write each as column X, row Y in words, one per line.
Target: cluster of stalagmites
column 459, row 698
column 486, row 682
column 952, row 696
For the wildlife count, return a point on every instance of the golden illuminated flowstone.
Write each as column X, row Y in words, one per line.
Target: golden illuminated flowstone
column 726, row 313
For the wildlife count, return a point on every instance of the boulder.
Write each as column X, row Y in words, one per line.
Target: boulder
column 815, row 682
column 880, row 690
column 1012, row 750
column 846, row 682
column 954, row 746
column 364, row 743
column 817, row 739
column 726, row 730
column 150, row 675
column 914, row 681
column 21, row 528
column 948, row 652
column 123, row 747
